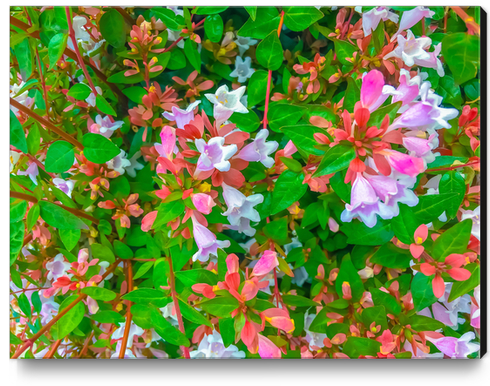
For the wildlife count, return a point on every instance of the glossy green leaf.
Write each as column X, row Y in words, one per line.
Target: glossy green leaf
column 300, row 18
column 17, row 136
column 111, row 26
column 59, row 157
column 99, row 293
column 289, row 188
column 60, row 218
column 99, row 149
column 336, row 159
column 269, row 52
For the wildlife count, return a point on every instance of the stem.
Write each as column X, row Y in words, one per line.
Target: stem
column 76, row 212
column 46, row 328
column 85, row 345
column 179, row 39
column 127, row 327
column 77, row 51
column 176, row 305
column 44, row 122
column 470, row 22
column 53, row 349
column 454, row 167
column 269, row 78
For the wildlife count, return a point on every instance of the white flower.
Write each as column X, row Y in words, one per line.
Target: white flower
column 240, row 205
column 135, row 165
column 134, row 330
column 14, row 157
column 119, row 163
column 212, row 346
column 227, row 102
column 243, row 69
column 474, row 215
column 214, row 154
column 259, row 149
column 91, row 98
column 65, row 186
column 410, row 49
column 244, row 43
column 57, row 267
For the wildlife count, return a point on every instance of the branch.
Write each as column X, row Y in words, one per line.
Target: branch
column 46, row 328
column 53, row 349
column 470, row 22
column 76, row 212
column 44, row 122
column 269, row 78
column 177, row 307
column 129, row 316
column 68, row 52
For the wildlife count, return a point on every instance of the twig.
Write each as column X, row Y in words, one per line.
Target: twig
column 53, row 349
column 127, row 327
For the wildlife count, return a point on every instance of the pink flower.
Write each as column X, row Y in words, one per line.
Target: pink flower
column 405, row 163
column 420, row 235
column 148, row 221
column 204, row 203
column 166, row 148
column 278, row 318
column 412, row 17
column 266, row 263
column 267, row 349
column 206, row 242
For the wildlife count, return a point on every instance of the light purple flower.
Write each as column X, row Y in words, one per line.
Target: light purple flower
column 456, row 347
column 32, row 172
column 214, row 155
column 421, row 147
column 65, row 186
column 134, row 330
column 242, row 227
column 180, row 116
column 259, row 150
column 240, row 205
column 408, row 89
column 105, row 126
column 212, row 346
column 371, row 19
column 49, row 309
column 119, row 163
column 475, row 217
column 206, row 242
column 412, row 17
column 365, row 204
column 243, row 69
column 57, row 267
column 409, row 49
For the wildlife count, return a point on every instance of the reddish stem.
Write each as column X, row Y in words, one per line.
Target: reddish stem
column 454, row 166
column 53, row 349
column 77, row 51
column 129, row 316
column 46, row 328
column 470, row 22
column 46, row 123
column 176, row 306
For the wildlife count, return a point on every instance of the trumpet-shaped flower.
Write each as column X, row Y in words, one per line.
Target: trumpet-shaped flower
column 214, row 155
column 227, row 102
column 180, row 116
column 206, row 242
column 371, row 19
column 259, row 150
column 243, row 69
column 240, row 206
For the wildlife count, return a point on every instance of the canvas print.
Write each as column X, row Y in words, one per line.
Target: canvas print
column 246, row 182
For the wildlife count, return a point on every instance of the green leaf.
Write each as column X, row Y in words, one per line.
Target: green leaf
column 464, row 53
column 453, row 182
column 32, row 216
column 352, row 94
column 104, row 106
column 142, row 315
column 17, row 136
column 375, row 314
column 227, row 330
column 59, row 218
column 24, row 305
column 194, row 57
column 108, row 317
column 70, row 237
column 170, row 19
column 246, row 122
column 282, row 114
column 17, row 210
column 122, row 250
column 14, row 339
column 269, row 52
column 299, row 301
column 213, row 26
column 358, row 233
column 257, row 87
column 119, row 77
column 461, row 288
column 99, row 293
column 99, row 149
column 209, row 10
column 143, row 269
column 102, row 252
column 23, row 54
column 377, row 116
column 111, row 26
column 135, row 94
column 56, row 47
column 195, row 276
column 344, row 51
column 252, row 11
column 71, row 319
column 450, row 91
column 168, row 211
column 192, row 315
column 302, row 137
column 168, row 332
column 354, row 347
column 424, row 323
column 390, row 256
column 381, row 298
column 337, row 158
column 33, row 140
column 319, row 324
column 221, row 307
column 147, row 296
column 422, row 293
column 300, row 18
column 59, row 157
column 348, row 273
column 266, row 20
column 79, row 91
column 454, row 240
column 36, row 301
column 289, row 188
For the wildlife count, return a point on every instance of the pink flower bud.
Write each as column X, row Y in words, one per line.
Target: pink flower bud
column 203, row 202
column 333, row 225
column 266, row 263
